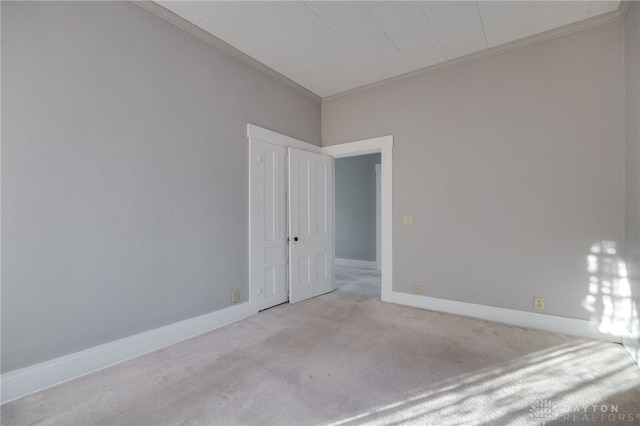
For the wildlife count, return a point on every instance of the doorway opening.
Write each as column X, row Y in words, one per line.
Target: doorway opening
column 357, row 223
column 383, row 146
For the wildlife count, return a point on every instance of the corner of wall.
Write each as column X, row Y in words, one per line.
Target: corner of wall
column 632, row 172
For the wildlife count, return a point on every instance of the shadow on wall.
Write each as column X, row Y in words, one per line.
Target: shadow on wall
column 609, row 297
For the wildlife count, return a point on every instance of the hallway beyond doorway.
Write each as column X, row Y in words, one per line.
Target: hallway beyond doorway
column 361, row 281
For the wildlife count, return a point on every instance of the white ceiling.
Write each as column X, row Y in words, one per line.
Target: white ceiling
column 330, row 47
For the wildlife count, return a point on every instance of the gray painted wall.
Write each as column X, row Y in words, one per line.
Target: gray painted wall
column 124, row 174
column 632, row 157
column 513, row 166
column 356, row 207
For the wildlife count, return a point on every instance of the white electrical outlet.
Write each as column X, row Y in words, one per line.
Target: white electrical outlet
column 538, row 303
column 408, row 219
column 418, row 288
column 234, row 297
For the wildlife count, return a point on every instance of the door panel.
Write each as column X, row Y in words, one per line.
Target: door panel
column 269, row 197
column 310, row 224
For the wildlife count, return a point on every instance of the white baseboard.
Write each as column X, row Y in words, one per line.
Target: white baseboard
column 369, row 264
column 556, row 324
column 18, row 383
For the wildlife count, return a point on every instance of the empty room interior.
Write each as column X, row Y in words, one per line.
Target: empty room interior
column 320, row 212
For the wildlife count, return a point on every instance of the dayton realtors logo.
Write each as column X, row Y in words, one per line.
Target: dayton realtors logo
column 544, row 410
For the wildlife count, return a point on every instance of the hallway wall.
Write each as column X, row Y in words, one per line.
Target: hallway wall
column 356, row 207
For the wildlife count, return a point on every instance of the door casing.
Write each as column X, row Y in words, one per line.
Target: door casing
column 383, row 145
column 378, row 245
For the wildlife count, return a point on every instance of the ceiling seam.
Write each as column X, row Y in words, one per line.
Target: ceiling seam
column 433, row 31
column 623, row 8
column 374, row 18
column 389, row 38
column 486, row 44
column 317, row 16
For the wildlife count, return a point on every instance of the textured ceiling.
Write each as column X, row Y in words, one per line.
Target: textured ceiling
column 330, row 47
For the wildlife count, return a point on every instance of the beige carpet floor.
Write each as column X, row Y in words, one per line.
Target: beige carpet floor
column 347, row 358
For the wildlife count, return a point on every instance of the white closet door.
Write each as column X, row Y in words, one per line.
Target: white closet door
column 269, row 197
column 310, row 225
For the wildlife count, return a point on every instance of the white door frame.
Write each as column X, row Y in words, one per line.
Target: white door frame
column 383, row 145
column 276, row 138
column 378, row 245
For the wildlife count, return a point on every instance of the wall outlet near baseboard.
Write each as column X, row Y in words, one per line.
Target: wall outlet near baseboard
column 234, row 296
column 419, row 288
column 538, row 303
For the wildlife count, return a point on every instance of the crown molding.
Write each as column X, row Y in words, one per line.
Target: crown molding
column 203, row 35
column 198, row 32
column 566, row 30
